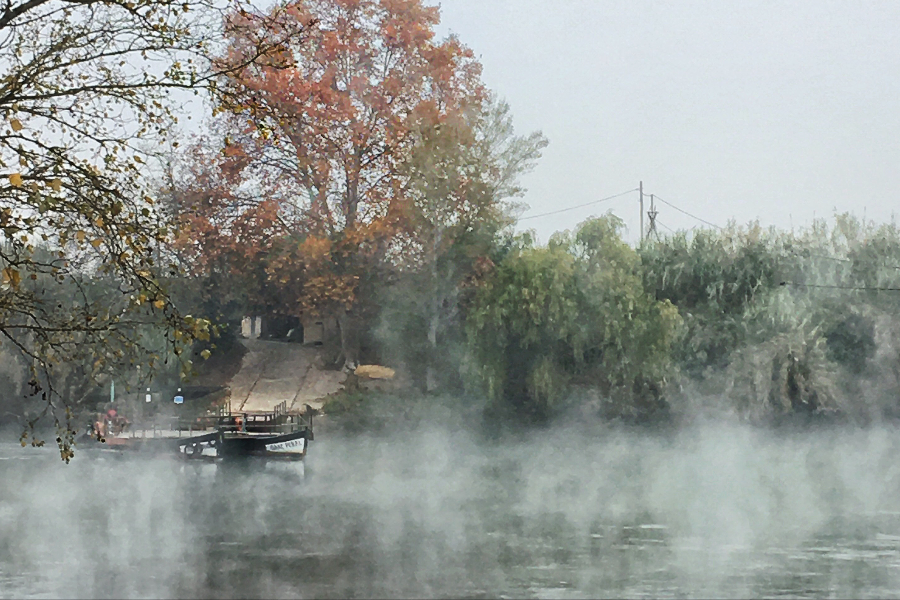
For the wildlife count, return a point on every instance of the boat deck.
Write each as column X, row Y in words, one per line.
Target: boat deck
column 277, row 434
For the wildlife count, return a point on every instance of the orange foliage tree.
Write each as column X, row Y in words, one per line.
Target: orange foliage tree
column 225, row 230
column 325, row 130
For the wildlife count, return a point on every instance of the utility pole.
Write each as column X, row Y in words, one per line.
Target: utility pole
column 651, row 230
column 641, row 190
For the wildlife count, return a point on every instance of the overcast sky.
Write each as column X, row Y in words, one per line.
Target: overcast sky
column 776, row 111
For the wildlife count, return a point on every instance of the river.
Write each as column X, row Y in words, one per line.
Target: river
column 709, row 511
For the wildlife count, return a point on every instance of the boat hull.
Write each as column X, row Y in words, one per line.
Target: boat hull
column 287, row 446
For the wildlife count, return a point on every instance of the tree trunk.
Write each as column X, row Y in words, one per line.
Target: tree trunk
column 431, row 379
column 352, row 195
column 351, row 328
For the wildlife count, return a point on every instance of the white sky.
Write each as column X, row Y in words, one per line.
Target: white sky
column 776, row 111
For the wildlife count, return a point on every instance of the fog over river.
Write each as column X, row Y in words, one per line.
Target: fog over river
column 711, row 510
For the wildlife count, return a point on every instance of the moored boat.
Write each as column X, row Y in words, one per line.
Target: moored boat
column 279, row 434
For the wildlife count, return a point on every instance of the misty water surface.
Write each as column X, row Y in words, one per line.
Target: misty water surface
column 713, row 510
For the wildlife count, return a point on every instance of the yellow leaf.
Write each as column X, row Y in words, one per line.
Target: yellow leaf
column 99, row 222
column 96, row 243
column 56, row 184
column 16, row 124
column 15, row 179
column 79, row 235
column 205, row 354
column 159, row 303
column 12, row 276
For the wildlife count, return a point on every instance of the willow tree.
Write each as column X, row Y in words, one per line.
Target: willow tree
column 84, row 87
column 573, row 314
column 779, row 323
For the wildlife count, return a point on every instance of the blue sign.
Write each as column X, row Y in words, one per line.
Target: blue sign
column 179, row 399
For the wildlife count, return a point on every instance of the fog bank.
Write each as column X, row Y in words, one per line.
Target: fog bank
column 716, row 509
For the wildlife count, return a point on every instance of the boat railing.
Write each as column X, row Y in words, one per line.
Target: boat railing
column 280, row 420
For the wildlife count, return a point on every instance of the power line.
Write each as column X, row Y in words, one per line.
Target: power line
column 841, row 287
column 836, row 259
column 821, row 256
column 553, row 212
column 688, row 214
column 666, row 227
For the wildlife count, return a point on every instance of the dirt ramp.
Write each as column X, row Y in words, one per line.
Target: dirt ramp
column 275, row 372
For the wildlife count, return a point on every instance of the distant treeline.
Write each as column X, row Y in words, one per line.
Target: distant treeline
column 755, row 322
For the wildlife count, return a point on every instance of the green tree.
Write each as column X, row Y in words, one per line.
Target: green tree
column 779, row 323
column 462, row 175
column 574, row 313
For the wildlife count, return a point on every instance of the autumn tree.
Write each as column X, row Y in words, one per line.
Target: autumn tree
column 82, row 85
column 225, row 231
column 327, row 130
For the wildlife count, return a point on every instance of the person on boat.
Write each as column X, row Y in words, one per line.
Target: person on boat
column 109, row 422
column 115, row 423
column 99, row 426
column 122, row 423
